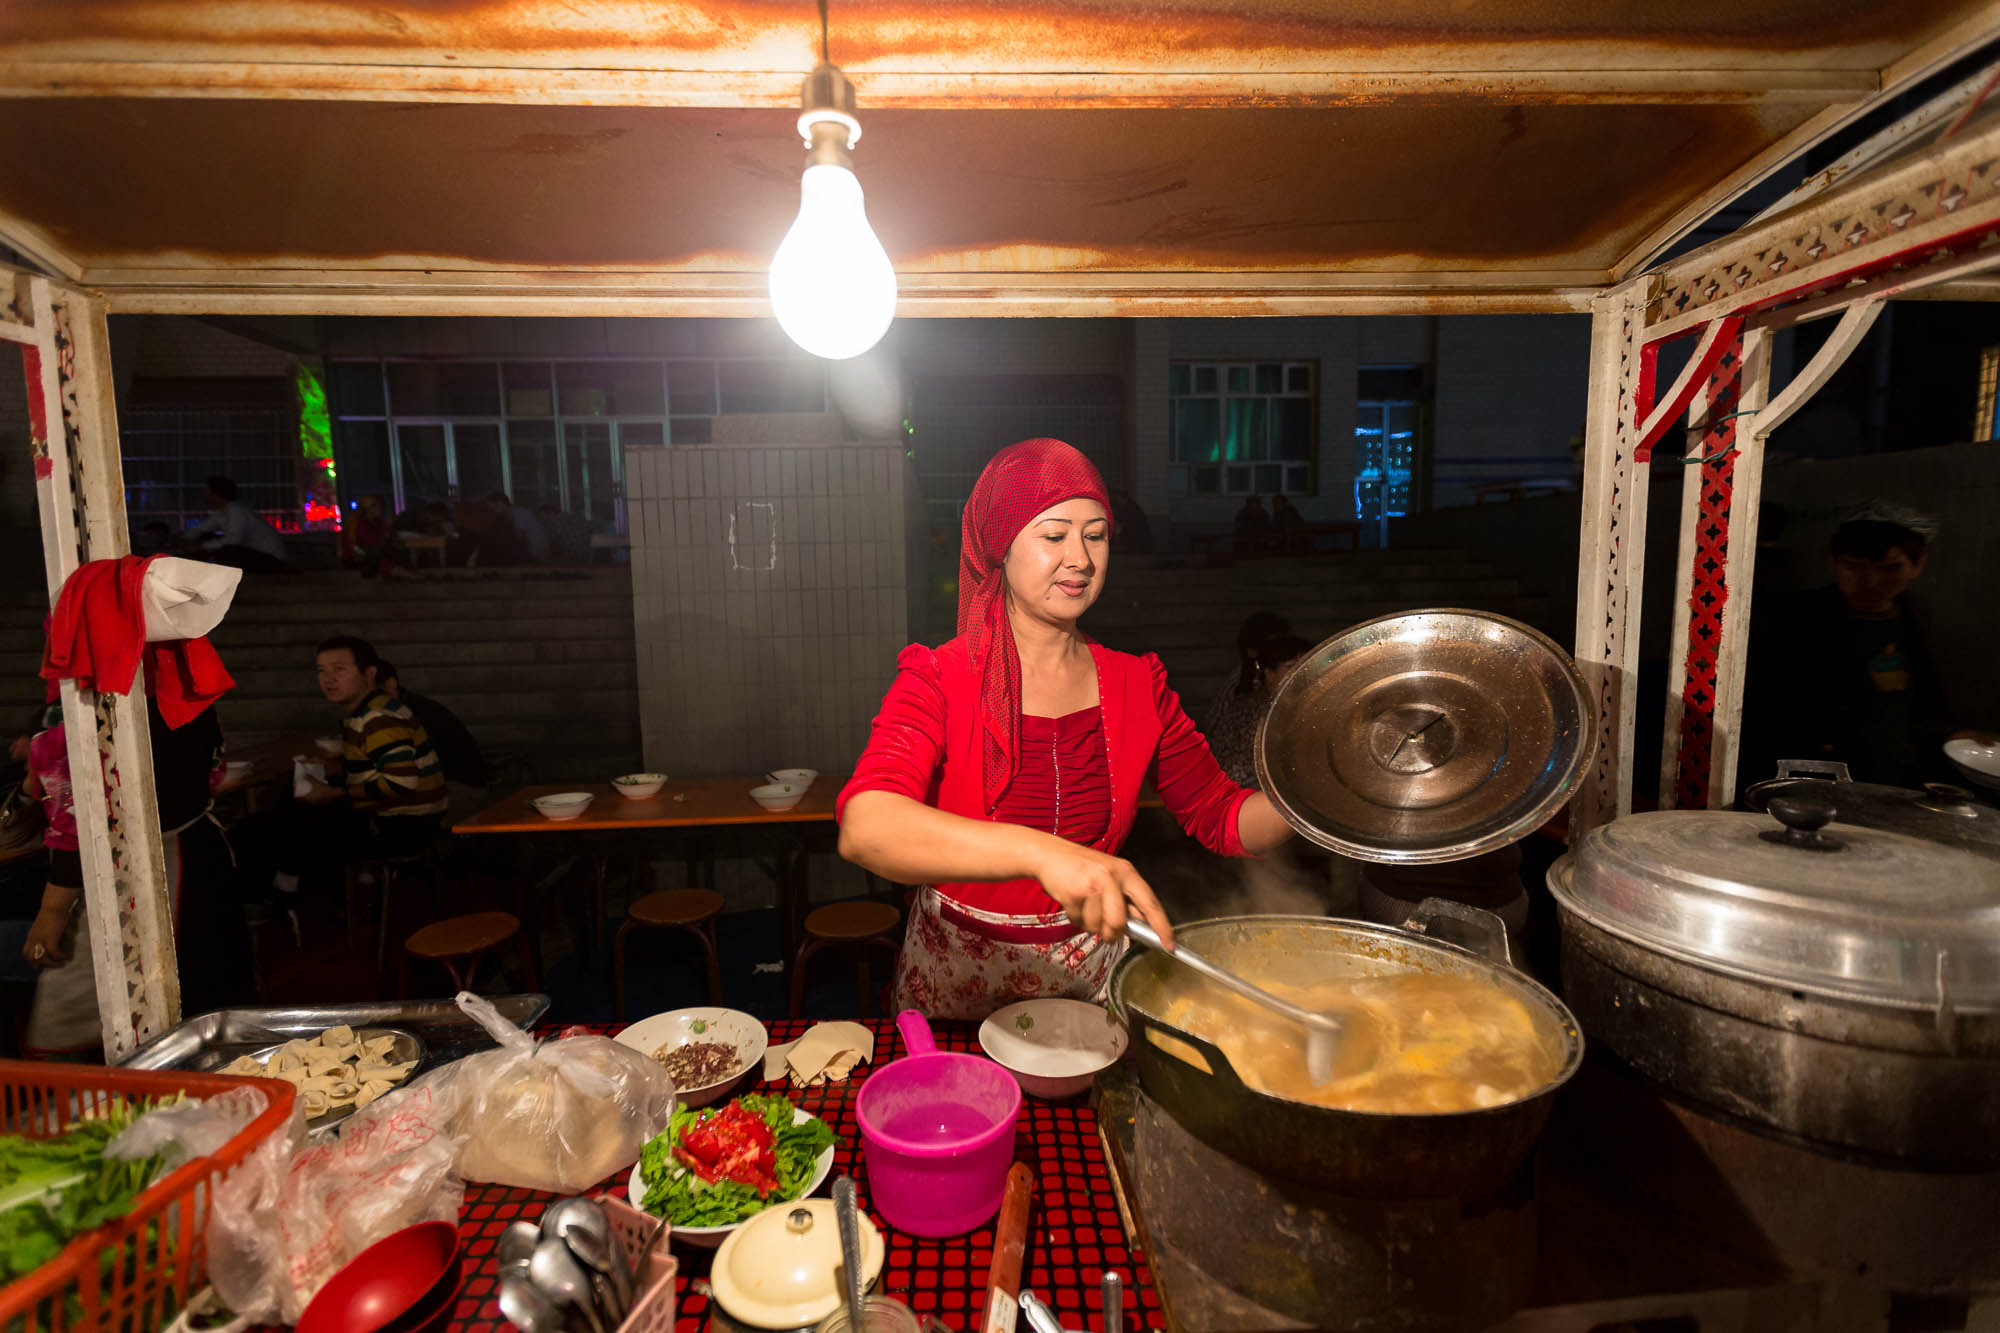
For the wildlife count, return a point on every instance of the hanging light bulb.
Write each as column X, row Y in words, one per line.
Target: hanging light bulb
column 832, row 286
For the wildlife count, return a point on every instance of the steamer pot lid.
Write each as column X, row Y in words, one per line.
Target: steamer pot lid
column 1875, row 916
column 1425, row 737
column 1939, row 813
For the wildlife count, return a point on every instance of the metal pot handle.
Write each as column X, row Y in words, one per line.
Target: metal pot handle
column 1219, row 1069
column 1458, row 923
column 1832, row 770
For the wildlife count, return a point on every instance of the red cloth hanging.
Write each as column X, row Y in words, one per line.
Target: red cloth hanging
column 96, row 636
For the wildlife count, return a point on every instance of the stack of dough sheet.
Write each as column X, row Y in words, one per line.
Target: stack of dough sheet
column 338, row 1068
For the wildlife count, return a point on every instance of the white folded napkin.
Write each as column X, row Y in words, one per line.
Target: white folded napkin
column 185, row 599
column 827, row 1053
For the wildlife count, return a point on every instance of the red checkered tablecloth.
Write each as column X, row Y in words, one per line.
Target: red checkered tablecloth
column 1074, row 1231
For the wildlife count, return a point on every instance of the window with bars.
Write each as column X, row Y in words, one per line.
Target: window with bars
column 415, row 431
column 1242, row 427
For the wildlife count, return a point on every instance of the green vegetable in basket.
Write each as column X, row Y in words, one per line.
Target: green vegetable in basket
column 683, row 1197
column 52, row 1189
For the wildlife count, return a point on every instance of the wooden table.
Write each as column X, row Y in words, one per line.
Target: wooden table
column 270, row 762
column 693, row 804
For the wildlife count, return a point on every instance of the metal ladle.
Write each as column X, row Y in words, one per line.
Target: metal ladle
column 527, row 1308
column 565, row 1282
column 847, row 1213
column 1322, row 1030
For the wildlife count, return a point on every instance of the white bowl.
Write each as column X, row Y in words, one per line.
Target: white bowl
column 778, row 795
column 1053, row 1048
column 793, row 777
column 333, row 747
column 638, row 786
column 678, row 1027
column 1976, row 761
column 563, row 804
column 710, row 1237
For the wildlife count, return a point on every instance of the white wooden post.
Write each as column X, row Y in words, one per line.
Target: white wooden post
column 81, row 488
column 1611, row 563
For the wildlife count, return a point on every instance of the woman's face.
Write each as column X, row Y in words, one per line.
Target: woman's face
column 1055, row 568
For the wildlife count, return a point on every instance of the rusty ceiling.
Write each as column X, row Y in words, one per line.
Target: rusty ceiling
column 1064, row 157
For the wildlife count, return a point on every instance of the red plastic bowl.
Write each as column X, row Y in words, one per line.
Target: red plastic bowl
column 385, row 1281
column 435, row 1310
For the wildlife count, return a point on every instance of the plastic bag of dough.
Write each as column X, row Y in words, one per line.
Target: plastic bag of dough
column 558, row 1117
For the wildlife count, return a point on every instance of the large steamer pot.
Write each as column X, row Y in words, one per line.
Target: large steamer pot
column 1831, row 985
column 1470, row 1155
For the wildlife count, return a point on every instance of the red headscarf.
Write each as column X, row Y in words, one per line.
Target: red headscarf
column 1018, row 483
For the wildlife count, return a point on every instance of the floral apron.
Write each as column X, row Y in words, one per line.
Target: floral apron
column 958, row 962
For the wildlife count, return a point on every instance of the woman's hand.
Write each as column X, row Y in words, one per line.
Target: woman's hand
column 1098, row 891
column 43, row 946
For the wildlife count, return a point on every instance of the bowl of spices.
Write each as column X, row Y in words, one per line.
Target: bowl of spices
column 706, row 1051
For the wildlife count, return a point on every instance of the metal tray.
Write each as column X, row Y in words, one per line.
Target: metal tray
column 216, row 1038
column 408, row 1049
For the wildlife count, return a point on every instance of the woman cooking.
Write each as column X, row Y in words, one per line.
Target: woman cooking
column 1003, row 771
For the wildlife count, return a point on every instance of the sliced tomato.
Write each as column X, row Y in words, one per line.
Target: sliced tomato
column 731, row 1144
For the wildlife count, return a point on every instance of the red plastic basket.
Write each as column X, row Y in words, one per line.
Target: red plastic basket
column 135, row 1273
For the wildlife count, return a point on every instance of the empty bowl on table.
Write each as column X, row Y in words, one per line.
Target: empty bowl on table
column 778, row 795
column 394, row 1277
column 1977, row 761
column 563, row 805
column 793, row 777
column 638, row 786
column 238, row 770
column 1053, row 1048
column 330, row 746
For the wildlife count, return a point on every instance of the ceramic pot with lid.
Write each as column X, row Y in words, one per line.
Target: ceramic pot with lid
column 781, row 1269
column 1824, row 981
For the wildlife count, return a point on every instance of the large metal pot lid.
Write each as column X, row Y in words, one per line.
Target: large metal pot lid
column 1427, row 736
column 1828, row 909
column 1938, row 813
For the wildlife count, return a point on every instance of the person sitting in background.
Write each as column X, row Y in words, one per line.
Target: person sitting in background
column 516, row 537
column 456, row 748
column 368, row 542
column 569, row 536
column 387, row 797
column 1253, row 526
column 237, row 535
column 1232, row 725
column 1236, row 701
column 1845, row 672
column 1285, row 525
column 154, row 538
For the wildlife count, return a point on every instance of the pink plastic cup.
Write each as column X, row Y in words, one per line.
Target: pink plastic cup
column 937, row 1132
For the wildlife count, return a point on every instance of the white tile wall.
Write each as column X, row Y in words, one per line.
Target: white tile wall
column 768, row 601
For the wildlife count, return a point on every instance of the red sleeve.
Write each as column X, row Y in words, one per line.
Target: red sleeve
column 906, row 742
column 1192, row 784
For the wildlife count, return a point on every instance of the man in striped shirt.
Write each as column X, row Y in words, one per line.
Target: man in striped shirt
column 391, row 769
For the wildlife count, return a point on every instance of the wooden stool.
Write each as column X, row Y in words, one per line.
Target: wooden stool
column 692, row 910
column 864, row 924
column 389, row 873
column 459, row 943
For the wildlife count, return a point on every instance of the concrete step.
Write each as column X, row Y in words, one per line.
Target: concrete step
column 496, row 612
column 294, row 713
column 419, row 657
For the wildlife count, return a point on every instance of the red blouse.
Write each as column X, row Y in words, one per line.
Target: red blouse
column 925, row 745
column 1064, row 783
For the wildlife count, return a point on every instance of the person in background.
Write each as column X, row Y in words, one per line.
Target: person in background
column 569, row 536
column 516, row 537
column 1239, row 684
column 383, row 803
column 210, row 934
column 1131, row 533
column 63, row 1019
column 368, row 542
column 456, row 748
column 1845, row 672
column 1253, row 526
column 154, row 538
column 237, row 535
column 1003, row 771
column 1285, row 525
column 1232, row 725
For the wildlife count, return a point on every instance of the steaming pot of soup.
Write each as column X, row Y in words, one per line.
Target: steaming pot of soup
column 1444, row 1075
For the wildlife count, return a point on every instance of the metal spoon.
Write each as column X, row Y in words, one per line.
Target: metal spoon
column 1040, row 1317
column 848, row 1215
column 563, row 1280
column 1322, row 1030
column 581, row 1225
column 516, row 1246
column 527, row 1308
column 1113, row 1288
